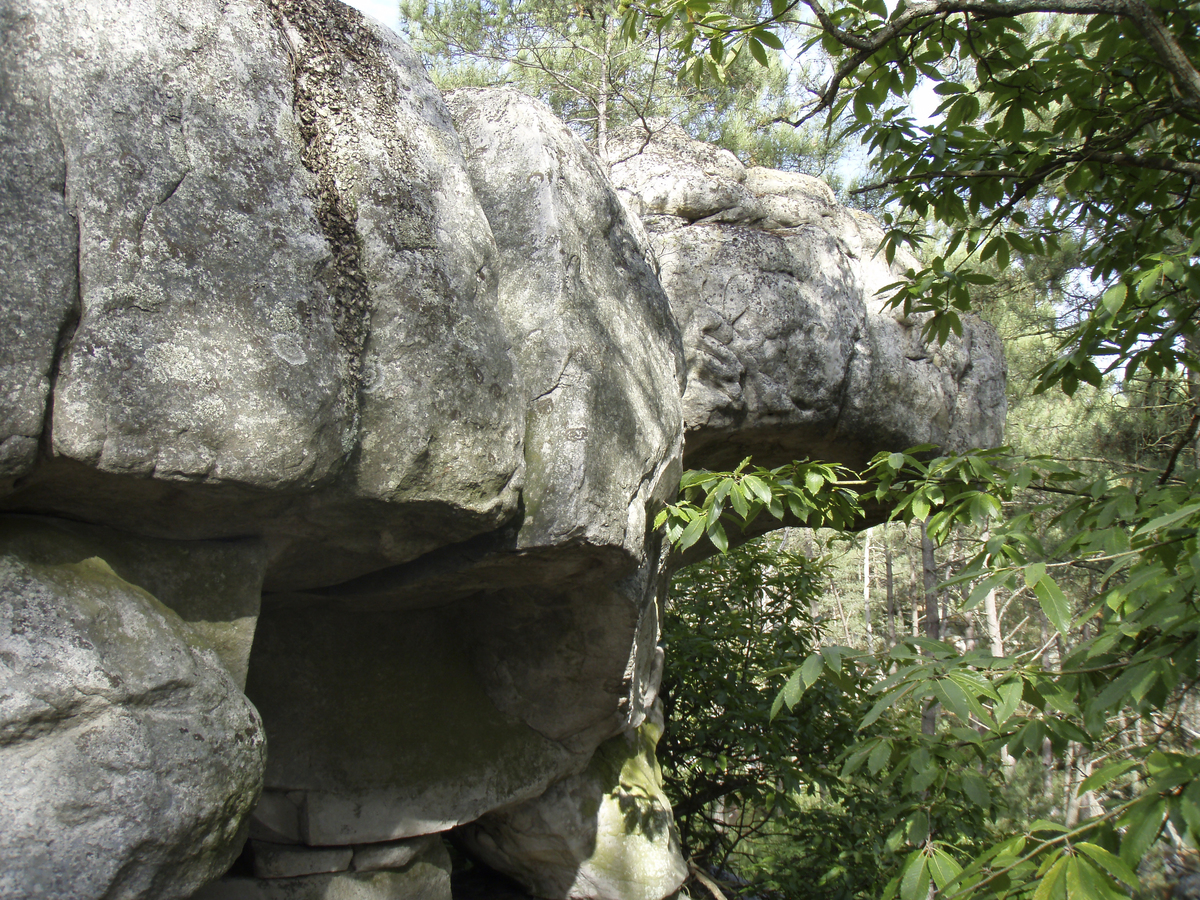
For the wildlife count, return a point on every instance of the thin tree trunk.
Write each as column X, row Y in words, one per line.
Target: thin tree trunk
column 914, row 590
column 933, row 622
column 810, row 552
column 842, row 615
column 891, row 592
column 929, row 716
column 602, row 101
column 1071, row 785
column 996, row 644
column 1047, row 748
column 867, row 590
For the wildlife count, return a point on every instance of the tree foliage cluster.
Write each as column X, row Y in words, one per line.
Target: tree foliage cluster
column 1062, row 154
column 598, row 77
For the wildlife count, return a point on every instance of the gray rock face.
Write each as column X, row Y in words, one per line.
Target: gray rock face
column 422, row 873
column 790, row 350
column 598, row 349
column 285, row 282
column 604, row 834
column 275, row 317
column 128, row 757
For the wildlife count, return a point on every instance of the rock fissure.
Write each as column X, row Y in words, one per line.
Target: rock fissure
column 316, row 96
column 62, row 344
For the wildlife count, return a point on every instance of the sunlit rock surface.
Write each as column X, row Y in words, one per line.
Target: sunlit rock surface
column 791, row 350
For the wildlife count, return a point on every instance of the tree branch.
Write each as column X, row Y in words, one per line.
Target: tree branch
column 1170, row 54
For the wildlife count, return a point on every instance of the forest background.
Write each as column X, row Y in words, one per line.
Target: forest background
column 992, row 694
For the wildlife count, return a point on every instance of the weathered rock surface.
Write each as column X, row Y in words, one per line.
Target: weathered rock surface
column 790, row 349
column 598, row 349
column 129, row 759
column 285, row 284
column 605, row 834
column 274, row 315
column 424, row 875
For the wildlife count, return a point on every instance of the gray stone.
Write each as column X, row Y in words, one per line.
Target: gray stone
column 383, row 723
column 285, row 284
column 599, row 352
column 38, row 281
column 393, row 855
column 291, row 861
column 791, row 351
column 427, row 877
column 276, row 818
column 214, row 586
column 661, row 171
column 129, row 759
column 605, row 834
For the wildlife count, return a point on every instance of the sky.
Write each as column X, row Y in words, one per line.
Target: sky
column 386, row 11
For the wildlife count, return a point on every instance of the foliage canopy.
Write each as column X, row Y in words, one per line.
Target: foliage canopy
column 1075, row 132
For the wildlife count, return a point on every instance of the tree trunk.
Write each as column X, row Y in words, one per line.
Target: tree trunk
column 842, row 615
column 933, row 621
column 914, row 590
column 933, row 625
column 996, row 644
column 867, row 590
column 1047, row 748
column 891, row 593
column 603, row 90
column 810, row 552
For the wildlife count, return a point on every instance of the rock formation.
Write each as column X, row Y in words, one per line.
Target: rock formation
column 791, row 350
column 322, row 387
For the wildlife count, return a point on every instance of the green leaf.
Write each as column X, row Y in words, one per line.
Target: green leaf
column 737, row 499
column 943, row 868
column 917, row 827
column 758, row 487
column 953, row 697
column 692, row 533
column 1143, row 823
column 976, row 789
column 920, row 508
column 716, row 534
column 883, row 704
column 1168, row 519
column 794, row 689
column 1034, row 573
column 758, row 52
column 1054, row 604
column 814, row 481
column 879, row 757
column 1114, row 298
column 770, row 38
column 1111, row 864
column 812, row 669
column 1050, row 879
column 1106, row 775
column 914, row 880
column 1010, row 696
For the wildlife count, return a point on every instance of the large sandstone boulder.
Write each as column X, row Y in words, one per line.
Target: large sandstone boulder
column 270, row 274
column 274, row 317
column 129, row 758
column 791, row 350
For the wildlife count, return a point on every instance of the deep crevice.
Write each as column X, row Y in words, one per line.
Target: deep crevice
column 315, row 65
column 66, row 334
